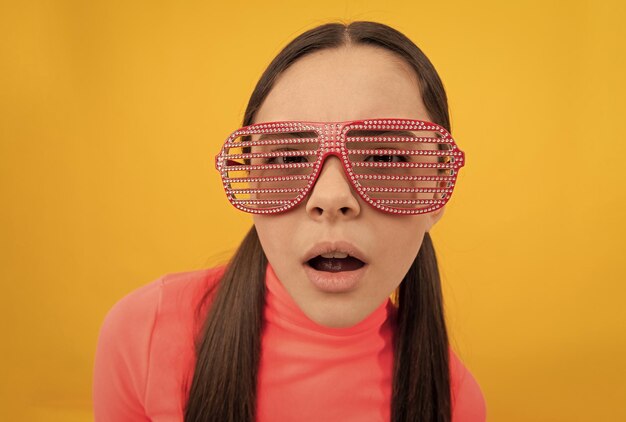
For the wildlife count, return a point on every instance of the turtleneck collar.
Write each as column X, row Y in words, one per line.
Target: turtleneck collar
column 281, row 308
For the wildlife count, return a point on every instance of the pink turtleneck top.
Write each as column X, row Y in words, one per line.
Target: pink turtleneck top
column 145, row 358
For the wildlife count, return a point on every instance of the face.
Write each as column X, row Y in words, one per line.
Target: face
column 348, row 83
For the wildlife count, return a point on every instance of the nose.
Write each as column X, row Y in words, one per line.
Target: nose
column 332, row 196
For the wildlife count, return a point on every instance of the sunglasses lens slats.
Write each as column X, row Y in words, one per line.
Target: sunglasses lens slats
column 403, row 169
column 397, row 165
column 269, row 171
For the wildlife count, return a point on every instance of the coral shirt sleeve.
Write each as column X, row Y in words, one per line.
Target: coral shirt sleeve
column 467, row 398
column 122, row 356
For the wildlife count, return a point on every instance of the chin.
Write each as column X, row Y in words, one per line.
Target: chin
column 335, row 314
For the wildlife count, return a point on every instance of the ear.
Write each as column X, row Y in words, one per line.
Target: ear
column 434, row 216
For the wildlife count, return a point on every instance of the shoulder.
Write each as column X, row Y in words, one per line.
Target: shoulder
column 468, row 403
column 166, row 302
column 172, row 293
column 137, row 323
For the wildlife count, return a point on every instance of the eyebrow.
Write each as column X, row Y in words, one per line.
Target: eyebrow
column 381, row 132
column 289, row 134
column 351, row 132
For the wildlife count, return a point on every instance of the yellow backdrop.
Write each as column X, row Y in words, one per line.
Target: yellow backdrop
column 111, row 113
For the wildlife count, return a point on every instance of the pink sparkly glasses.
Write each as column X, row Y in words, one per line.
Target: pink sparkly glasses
column 400, row 166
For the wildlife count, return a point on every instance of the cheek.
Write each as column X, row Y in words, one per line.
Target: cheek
column 399, row 244
column 275, row 237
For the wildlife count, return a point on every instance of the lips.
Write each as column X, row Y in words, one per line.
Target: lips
column 335, row 256
column 335, row 265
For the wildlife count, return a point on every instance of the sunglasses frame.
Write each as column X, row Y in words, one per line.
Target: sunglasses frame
column 332, row 141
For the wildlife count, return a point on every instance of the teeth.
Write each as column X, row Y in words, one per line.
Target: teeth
column 334, row 255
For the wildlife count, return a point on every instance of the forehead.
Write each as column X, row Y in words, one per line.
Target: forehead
column 346, row 83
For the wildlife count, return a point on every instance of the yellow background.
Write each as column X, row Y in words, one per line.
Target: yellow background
column 111, row 113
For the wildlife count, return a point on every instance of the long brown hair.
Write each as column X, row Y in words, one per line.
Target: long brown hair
column 228, row 348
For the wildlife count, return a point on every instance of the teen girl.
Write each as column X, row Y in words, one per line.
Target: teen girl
column 331, row 309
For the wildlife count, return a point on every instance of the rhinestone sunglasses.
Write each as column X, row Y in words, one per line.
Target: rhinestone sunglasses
column 399, row 166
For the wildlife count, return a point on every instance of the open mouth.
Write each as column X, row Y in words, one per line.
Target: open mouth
column 335, row 263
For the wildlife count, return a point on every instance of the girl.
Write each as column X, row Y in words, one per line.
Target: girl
column 331, row 308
